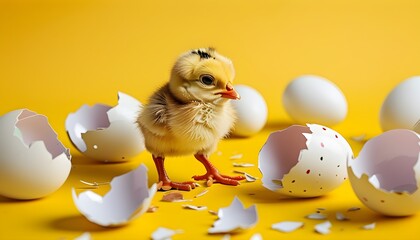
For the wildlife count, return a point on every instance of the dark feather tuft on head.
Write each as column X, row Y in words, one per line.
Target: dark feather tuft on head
column 202, row 54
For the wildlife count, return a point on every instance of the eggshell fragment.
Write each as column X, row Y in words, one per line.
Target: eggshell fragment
column 370, row 226
column 400, row 110
column 84, row 236
column 128, row 198
column 315, row 99
column 340, row 216
column 316, row 216
column 256, row 236
column 105, row 133
column 323, row 228
column 193, row 207
column 251, row 111
column 164, row 233
column 287, row 226
column 33, row 162
column 235, row 217
column 386, row 174
column 304, row 161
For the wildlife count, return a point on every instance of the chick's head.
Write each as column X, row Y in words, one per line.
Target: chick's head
column 203, row 75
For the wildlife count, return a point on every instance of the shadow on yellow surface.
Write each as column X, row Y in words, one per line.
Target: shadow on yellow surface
column 77, row 223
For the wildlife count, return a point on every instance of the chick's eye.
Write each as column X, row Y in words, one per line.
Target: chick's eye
column 207, row 79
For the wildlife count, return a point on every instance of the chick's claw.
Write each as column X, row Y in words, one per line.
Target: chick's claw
column 216, row 177
column 234, row 177
column 168, row 185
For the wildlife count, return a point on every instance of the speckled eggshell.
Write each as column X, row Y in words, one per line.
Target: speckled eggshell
column 386, row 174
column 304, row 161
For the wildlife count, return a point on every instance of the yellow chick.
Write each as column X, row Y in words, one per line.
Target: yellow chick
column 190, row 114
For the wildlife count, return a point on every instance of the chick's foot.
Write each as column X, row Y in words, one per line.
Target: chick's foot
column 164, row 182
column 213, row 174
column 168, row 185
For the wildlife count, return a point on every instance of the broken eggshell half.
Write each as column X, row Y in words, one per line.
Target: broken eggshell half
column 304, row 161
column 33, row 162
column 235, row 218
column 105, row 133
column 386, row 174
column 128, row 198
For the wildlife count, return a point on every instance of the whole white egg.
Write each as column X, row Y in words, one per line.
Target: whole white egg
column 386, row 174
column 33, row 162
column 401, row 108
column 314, row 99
column 304, row 161
column 251, row 111
column 107, row 133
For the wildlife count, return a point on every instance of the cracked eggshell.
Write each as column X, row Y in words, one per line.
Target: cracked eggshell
column 128, row 198
column 235, row 217
column 105, row 133
column 386, row 174
column 251, row 111
column 304, row 161
column 33, row 162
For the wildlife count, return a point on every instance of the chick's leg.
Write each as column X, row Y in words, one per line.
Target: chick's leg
column 213, row 174
column 164, row 182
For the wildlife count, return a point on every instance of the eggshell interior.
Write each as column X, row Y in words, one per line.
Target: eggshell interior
column 386, row 174
column 128, row 198
column 86, row 119
column 107, row 134
column 280, row 154
column 235, row 217
column 304, row 161
column 33, row 162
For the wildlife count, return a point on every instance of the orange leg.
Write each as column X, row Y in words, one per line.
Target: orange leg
column 213, row 174
column 164, row 182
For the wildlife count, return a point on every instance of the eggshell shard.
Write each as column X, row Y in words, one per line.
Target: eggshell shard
column 400, row 110
column 287, row 226
column 164, row 233
column 105, row 133
column 386, row 174
column 323, row 228
column 251, row 111
column 234, row 218
column 128, row 198
column 33, row 162
column 304, row 161
column 310, row 98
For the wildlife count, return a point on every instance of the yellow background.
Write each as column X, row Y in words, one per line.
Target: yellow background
column 58, row 55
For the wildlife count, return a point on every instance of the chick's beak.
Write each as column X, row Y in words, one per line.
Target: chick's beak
column 230, row 92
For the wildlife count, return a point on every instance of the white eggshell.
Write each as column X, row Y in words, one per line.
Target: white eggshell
column 314, row 99
column 304, row 161
column 251, row 111
column 128, row 198
column 386, row 174
column 401, row 108
column 33, row 162
column 107, row 134
column 234, row 218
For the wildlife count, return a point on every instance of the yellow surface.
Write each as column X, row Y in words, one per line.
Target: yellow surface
column 58, row 55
